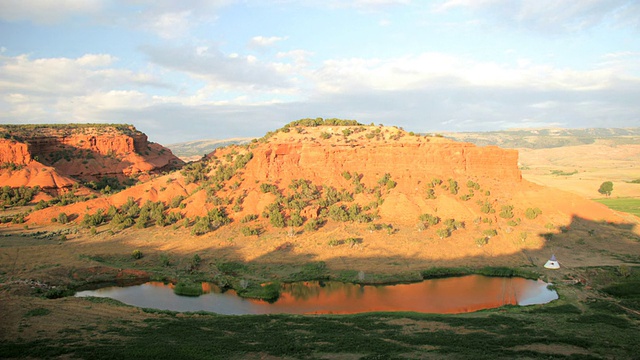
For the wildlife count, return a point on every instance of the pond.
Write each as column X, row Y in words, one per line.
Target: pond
column 444, row 296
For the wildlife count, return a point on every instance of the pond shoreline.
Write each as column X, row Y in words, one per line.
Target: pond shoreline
column 453, row 295
column 123, row 277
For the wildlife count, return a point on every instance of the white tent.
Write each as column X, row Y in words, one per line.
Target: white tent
column 552, row 263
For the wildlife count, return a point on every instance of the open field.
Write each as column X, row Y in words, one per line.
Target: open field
column 581, row 169
column 629, row 205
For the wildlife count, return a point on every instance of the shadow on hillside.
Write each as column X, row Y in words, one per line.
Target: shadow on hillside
column 586, row 242
column 582, row 243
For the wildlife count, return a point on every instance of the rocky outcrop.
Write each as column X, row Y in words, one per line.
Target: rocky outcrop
column 86, row 152
column 13, row 152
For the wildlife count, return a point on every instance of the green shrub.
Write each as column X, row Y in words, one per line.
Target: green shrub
column 136, row 254
column 201, row 226
column 490, row 233
column 443, row 233
column 63, row 218
column 453, row 186
column 93, row 220
column 435, row 182
column 473, row 185
column 249, row 218
column 338, row 213
column 188, row 288
column 532, row 213
column 295, row 219
column 277, row 219
column 430, row 219
column 391, row 184
column 507, row 212
column 58, row 292
column 487, row 208
column 164, row 260
column 269, row 188
column 249, row 231
column 176, row 201
column 353, row 241
column 313, row 224
column 384, row 180
column 334, row 242
column 431, row 194
column 217, row 217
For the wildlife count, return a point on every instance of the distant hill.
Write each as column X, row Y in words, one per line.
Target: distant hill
column 548, row 138
column 194, row 150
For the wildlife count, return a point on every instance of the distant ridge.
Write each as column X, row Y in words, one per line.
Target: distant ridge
column 194, row 150
column 544, row 138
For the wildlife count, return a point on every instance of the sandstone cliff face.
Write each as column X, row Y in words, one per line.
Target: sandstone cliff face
column 84, row 152
column 13, row 152
column 324, row 163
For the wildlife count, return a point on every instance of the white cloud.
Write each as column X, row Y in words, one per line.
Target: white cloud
column 47, row 11
column 66, row 76
column 233, row 71
column 169, row 25
column 299, row 56
column 549, row 15
column 59, row 89
column 425, row 92
column 262, row 41
column 367, row 4
column 171, row 19
column 415, row 72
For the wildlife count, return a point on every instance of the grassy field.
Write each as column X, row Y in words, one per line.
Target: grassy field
column 626, row 204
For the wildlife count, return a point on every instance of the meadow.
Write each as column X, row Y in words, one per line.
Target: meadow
column 625, row 204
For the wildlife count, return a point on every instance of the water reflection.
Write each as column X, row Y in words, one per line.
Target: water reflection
column 445, row 296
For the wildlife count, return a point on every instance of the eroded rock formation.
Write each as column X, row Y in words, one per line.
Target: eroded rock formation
column 51, row 155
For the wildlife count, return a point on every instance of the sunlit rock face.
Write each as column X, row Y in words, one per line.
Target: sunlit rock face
column 52, row 156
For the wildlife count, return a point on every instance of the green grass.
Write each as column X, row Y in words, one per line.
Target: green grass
column 485, row 335
column 625, row 204
column 441, row 272
column 37, row 312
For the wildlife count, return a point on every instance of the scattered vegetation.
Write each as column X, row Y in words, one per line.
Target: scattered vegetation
column 563, row 173
column 20, row 196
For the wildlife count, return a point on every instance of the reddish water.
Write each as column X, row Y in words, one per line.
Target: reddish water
column 444, row 296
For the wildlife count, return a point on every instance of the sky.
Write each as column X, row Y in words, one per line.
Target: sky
column 196, row 69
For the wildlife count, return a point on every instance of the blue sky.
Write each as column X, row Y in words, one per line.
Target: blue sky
column 187, row 70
